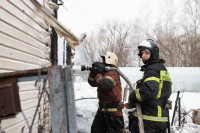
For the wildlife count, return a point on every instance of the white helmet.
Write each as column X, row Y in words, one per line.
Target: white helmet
column 110, row 58
column 151, row 45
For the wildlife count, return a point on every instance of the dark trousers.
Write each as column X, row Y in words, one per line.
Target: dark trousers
column 107, row 123
column 134, row 128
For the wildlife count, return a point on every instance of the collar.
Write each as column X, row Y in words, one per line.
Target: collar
column 143, row 67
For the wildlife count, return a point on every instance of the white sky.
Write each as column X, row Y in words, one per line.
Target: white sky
column 84, row 15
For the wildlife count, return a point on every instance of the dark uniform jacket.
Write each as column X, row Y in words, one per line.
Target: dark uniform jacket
column 109, row 91
column 153, row 92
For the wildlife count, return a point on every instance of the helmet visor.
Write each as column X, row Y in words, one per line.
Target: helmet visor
column 143, row 49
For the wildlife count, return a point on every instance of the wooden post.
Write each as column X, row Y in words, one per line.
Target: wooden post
column 62, row 103
column 196, row 116
column 57, row 100
column 70, row 100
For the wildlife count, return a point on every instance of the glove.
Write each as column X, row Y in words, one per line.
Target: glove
column 101, row 68
column 95, row 64
column 93, row 72
column 98, row 67
column 138, row 83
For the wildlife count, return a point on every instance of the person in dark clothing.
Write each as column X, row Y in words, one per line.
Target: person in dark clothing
column 109, row 117
column 153, row 91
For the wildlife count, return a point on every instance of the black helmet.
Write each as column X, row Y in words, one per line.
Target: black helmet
column 152, row 46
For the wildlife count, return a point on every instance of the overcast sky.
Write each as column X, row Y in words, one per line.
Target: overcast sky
column 84, row 15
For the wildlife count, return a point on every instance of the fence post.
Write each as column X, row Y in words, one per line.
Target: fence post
column 57, row 100
column 175, row 108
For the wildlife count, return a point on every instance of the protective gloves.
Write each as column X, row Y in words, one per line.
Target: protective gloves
column 98, row 67
column 138, row 83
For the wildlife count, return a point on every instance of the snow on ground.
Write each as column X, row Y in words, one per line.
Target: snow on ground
column 86, row 109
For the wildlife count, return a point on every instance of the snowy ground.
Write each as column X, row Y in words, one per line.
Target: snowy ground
column 86, row 109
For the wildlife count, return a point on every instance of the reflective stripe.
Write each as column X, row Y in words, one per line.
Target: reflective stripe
column 159, row 111
column 164, row 76
column 160, row 89
column 97, row 81
column 152, row 118
column 91, row 79
column 111, row 79
column 108, row 109
column 137, row 93
column 152, row 78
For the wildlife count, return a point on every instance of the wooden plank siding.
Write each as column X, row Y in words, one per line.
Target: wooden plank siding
column 25, row 43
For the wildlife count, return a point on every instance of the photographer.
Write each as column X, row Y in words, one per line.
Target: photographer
column 109, row 117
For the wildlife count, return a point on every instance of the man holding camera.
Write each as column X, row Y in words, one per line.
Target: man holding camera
column 108, row 118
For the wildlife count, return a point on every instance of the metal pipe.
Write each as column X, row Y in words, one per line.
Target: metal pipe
column 43, row 88
column 179, row 111
column 125, row 93
column 24, row 73
column 83, row 98
column 175, row 108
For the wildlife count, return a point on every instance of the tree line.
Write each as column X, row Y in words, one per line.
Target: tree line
column 178, row 37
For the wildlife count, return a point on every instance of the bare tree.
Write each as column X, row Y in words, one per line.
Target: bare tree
column 115, row 37
column 191, row 32
column 88, row 48
column 178, row 37
column 179, row 41
column 164, row 32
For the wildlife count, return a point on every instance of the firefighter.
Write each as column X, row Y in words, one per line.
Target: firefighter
column 153, row 91
column 108, row 118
